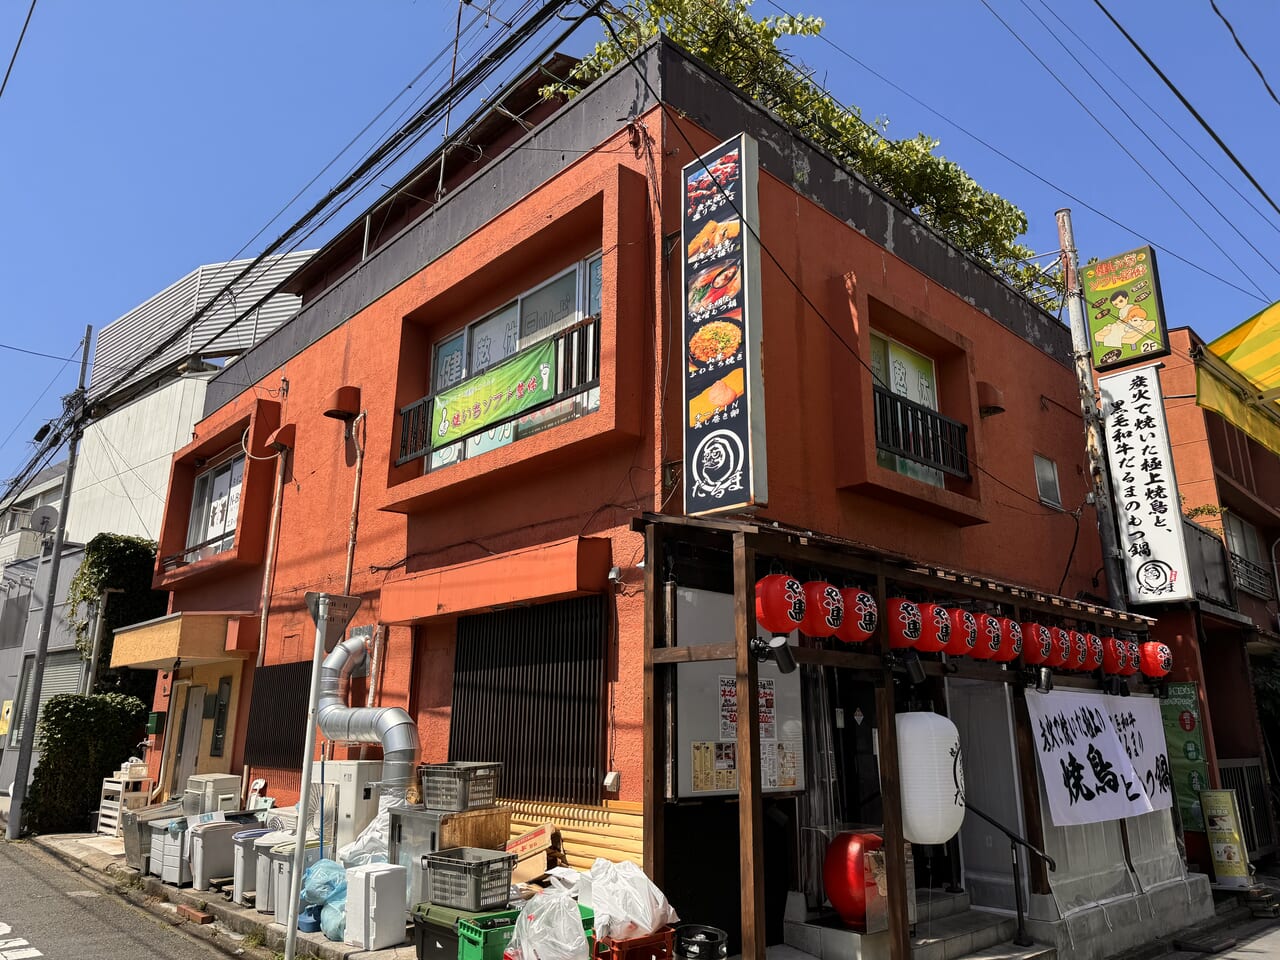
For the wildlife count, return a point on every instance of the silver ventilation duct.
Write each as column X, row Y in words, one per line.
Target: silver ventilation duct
column 390, row 726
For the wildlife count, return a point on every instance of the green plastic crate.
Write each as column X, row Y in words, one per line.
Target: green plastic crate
column 486, row 937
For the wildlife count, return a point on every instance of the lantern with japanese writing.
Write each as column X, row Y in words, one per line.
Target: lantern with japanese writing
column 845, row 875
column 990, row 637
column 1114, row 655
column 1011, row 645
column 1037, row 643
column 931, row 777
column 905, row 623
column 1079, row 651
column 964, row 633
column 1156, row 659
column 935, row 628
column 1061, row 647
column 860, row 616
column 779, row 603
column 823, row 609
column 1132, row 658
column 1093, row 659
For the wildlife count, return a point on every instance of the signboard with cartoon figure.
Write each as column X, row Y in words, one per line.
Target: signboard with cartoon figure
column 1122, row 303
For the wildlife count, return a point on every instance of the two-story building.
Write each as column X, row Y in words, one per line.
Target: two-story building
column 484, row 419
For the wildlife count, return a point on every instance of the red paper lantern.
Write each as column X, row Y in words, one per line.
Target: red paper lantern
column 1061, row 647
column 1037, row 643
column 1079, row 651
column 964, row 633
column 905, row 623
column 860, row 616
column 990, row 637
column 1157, row 659
column 779, row 603
column 823, row 609
column 1093, row 657
column 847, row 881
column 1114, row 655
column 1011, row 646
column 935, row 628
column 1132, row 660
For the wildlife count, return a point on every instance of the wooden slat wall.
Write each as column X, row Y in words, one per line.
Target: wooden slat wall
column 614, row 831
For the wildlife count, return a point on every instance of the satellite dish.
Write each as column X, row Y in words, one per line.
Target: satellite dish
column 43, row 519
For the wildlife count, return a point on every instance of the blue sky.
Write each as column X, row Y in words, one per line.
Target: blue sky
column 141, row 139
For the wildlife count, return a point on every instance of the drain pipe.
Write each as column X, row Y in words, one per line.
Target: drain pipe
column 269, row 568
column 354, row 433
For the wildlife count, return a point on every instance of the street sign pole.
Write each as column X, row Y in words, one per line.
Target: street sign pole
column 331, row 614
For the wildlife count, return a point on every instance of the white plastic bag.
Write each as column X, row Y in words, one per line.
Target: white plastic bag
column 577, row 885
column 371, row 846
column 626, row 904
column 549, row 928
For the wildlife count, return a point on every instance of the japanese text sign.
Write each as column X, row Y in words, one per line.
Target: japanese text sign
column 1226, row 839
column 724, row 450
column 1185, row 735
column 1122, row 302
column 1144, row 488
column 1102, row 758
column 520, row 383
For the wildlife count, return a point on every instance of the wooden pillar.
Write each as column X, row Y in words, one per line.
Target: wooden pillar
column 655, row 745
column 895, row 855
column 750, row 809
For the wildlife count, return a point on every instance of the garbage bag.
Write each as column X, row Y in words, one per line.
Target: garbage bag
column 549, row 928
column 333, row 918
column 577, row 885
column 625, row 902
column 323, row 881
column 371, row 845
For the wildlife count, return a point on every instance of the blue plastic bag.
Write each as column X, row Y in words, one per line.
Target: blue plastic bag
column 324, row 881
column 333, row 919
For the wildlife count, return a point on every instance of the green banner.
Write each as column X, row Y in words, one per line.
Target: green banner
column 1122, row 305
column 516, row 385
column 1184, row 736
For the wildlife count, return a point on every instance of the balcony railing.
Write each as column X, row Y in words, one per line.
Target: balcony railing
column 910, row 430
column 1252, row 578
column 577, row 369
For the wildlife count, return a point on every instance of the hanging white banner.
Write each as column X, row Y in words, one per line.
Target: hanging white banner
column 1140, row 727
column 1088, row 776
column 1143, row 487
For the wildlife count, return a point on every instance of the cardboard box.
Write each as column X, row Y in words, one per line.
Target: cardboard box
column 536, row 851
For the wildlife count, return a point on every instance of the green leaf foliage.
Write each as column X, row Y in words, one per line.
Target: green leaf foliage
column 725, row 35
column 82, row 740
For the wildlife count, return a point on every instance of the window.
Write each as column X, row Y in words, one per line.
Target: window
column 221, row 709
column 550, row 308
column 1047, row 481
column 215, row 508
column 905, row 373
column 15, row 518
column 1243, row 539
column 62, row 674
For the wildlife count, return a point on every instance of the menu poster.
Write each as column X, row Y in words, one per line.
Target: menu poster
column 1226, row 839
column 724, row 449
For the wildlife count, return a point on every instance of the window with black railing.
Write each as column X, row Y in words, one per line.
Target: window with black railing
column 215, row 508
column 527, row 367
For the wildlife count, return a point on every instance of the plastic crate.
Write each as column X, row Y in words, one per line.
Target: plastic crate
column 458, row 785
column 656, row 946
column 469, row 878
column 486, row 937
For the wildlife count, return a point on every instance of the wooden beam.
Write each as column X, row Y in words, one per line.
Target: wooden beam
column 709, row 651
column 1029, row 780
column 654, row 748
column 895, row 855
column 750, row 808
column 868, row 662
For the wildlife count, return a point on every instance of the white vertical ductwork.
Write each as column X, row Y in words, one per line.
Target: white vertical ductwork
column 390, row 726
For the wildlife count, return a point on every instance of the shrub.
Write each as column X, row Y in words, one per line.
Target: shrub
column 82, row 740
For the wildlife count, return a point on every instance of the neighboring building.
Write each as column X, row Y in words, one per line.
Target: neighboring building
column 19, row 539
column 521, row 582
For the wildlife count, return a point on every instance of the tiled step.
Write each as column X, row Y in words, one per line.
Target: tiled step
column 936, row 904
column 960, row 935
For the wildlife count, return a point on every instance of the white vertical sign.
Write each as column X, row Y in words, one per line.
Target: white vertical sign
column 1145, row 490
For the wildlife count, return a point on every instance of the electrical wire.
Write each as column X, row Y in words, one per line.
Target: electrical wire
column 17, row 47
column 49, row 386
column 1243, row 52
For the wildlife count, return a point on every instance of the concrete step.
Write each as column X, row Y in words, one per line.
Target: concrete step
column 936, row 904
column 960, row 935
column 1010, row 951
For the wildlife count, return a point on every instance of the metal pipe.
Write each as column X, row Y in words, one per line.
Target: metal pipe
column 269, row 570
column 1020, row 938
column 354, row 526
column 98, row 621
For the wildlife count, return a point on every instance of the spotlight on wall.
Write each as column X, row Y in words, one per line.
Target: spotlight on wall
column 775, row 649
column 615, row 574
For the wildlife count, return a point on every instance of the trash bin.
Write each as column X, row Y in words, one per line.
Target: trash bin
column 265, row 901
column 244, row 872
column 281, row 857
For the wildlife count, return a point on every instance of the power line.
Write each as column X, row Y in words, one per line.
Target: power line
column 17, row 47
column 1186, row 103
column 49, row 386
column 1245, row 53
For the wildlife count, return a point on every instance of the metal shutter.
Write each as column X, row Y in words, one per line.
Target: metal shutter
column 62, row 674
column 277, row 712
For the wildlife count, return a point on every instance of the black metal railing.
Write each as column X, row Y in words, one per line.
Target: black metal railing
column 577, row 369
column 910, row 430
column 1252, row 578
column 1021, row 938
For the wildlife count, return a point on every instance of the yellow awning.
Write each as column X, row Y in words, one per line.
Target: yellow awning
column 193, row 638
column 1238, row 377
column 1253, row 350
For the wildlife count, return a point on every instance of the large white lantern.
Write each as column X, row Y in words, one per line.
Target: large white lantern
column 931, row 772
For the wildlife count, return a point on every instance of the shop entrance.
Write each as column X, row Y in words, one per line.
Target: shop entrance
column 187, row 744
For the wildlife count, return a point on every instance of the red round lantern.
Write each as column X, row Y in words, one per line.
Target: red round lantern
column 779, row 603
column 1011, row 645
column 935, row 628
column 860, row 616
column 1132, row 660
column 1037, row 643
column 1079, row 651
column 1114, row 655
column 1157, row 659
column 990, row 637
column 1093, row 646
column 964, row 633
column 846, row 879
column 1061, row 647
column 905, row 623
column 823, row 609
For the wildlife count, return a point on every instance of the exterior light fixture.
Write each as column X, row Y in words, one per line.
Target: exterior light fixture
column 775, row 649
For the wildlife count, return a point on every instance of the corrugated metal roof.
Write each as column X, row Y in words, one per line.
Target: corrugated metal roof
column 123, row 340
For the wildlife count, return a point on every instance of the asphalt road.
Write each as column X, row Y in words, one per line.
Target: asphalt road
column 47, row 910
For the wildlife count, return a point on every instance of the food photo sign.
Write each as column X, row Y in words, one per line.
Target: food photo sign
column 724, row 451
column 1126, row 321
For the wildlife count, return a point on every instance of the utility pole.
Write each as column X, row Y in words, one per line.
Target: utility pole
column 1081, row 354
column 76, row 406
